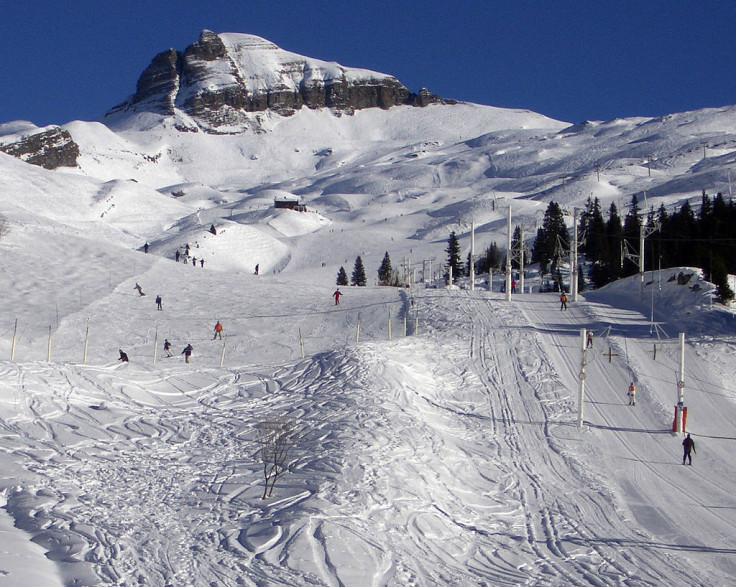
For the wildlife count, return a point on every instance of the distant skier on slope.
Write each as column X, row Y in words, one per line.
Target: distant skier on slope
column 139, row 289
column 590, row 339
column 187, row 352
column 167, row 348
column 563, row 301
column 218, row 331
column 632, row 394
column 123, row 356
column 337, row 295
column 158, row 302
column 689, row 446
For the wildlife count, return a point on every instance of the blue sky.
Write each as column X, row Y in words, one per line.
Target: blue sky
column 595, row 59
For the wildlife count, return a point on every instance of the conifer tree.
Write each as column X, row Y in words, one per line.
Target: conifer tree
column 385, row 271
column 719, row 277
column 358, row 276
column 453, row 256
column 631, row 228
column 553, row 230
column 342, row 277
column 517, row 245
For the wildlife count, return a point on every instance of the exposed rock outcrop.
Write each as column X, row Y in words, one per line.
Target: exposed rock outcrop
column 220, row 79
column 49, row 147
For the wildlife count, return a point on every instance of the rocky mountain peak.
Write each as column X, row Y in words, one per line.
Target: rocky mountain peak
column 220, row 80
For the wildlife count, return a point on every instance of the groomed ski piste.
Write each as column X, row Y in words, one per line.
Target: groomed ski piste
column 448, row 454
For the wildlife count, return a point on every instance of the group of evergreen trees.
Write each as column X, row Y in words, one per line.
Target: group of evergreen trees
column 358, row 276
column 704, row 239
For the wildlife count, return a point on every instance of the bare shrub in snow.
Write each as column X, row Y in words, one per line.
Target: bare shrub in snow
column 277, row 440
column 4, row 226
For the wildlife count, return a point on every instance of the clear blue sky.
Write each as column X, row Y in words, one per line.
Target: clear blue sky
column 570, row 60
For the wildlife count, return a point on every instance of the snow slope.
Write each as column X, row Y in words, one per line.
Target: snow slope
column 447, row 456
column 438, row 440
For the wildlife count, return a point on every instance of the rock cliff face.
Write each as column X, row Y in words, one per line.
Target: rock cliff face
column 220, row 80
column 49, row 147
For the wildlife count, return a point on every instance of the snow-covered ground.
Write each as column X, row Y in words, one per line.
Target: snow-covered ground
column 446, row 456
column 436, row 429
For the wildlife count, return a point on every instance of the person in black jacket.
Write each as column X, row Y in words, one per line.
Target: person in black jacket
column 123, row 356
column 187, row 352
column 688, row 445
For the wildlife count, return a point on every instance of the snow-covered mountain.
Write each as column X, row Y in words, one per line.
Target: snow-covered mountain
column 219, row 80
column 437, row 428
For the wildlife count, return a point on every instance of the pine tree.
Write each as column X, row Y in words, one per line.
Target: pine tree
column 358, row 276
column 342, row 277
column 385, row 271
column 719, row 277
column 518, row 247
column 631, row 229
column 490, row 260
column 553, row 231
column 453, row 256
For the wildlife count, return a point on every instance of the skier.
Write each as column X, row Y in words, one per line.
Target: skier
column 194, row 261
column 201, row 262
column 158, row 302
column 337, row 295
column 167, row 348
column 563, row 301
column 218, row 330
column 590, row 339
column 688, row 445
column 632, row 394
column 513, row 286
column 123, row 356
column 187, row 352
column 145, row 248
column 178, row 254
column 140, row 290
column 258, row 269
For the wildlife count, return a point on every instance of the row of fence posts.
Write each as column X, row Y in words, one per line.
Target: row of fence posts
column 357, row 331
column 222, row 356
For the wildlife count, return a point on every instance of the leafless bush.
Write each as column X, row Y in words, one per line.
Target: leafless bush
column 277, row 440
column 4, row 226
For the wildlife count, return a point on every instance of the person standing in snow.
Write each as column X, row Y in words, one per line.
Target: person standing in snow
column 201, row 262
column 632, row 394
column 167, row 348
column 563, row 301
column 123, row 356
column 513, row 286
column 178, row 254
column 158, row 302
column 139, row 288
column 258, row 269
column 187, row 352
column 689, row 446
column 145, row 248
column 590, row 339
column 337, row 295
column 218, row 331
